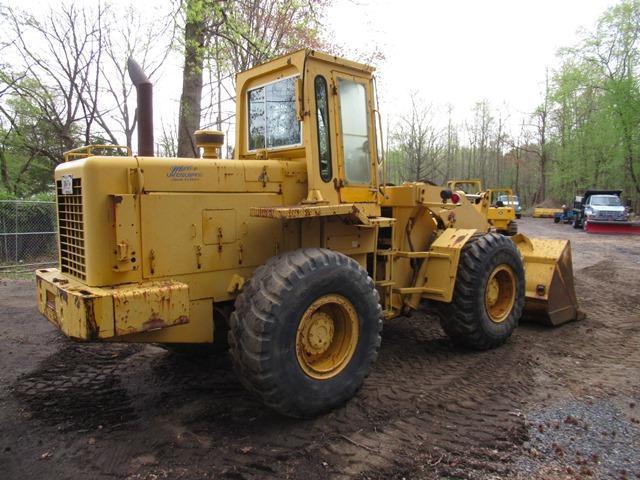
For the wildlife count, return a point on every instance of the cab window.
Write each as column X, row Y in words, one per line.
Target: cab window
column 272, row 115
column 322, row 117
column 355, row 131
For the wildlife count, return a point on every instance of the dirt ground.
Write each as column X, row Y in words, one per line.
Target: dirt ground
column 551, row 403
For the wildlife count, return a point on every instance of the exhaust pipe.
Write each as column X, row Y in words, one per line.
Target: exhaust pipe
column 144, row 110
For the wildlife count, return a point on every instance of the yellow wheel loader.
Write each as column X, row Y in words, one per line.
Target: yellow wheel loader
column 295, row 244
column 500, row 216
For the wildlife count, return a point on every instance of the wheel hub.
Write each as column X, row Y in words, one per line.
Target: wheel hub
column 500, row 293
column 493, row 291
column 327, row 337
column 319, row 334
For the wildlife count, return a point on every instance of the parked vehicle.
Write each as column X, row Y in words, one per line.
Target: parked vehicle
column 602, row 211
column 566, row 215
column 512, row 201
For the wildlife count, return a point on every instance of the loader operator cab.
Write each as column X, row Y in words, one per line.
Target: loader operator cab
column 314, row 107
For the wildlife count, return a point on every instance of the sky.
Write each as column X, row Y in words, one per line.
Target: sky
column 449, row 52
column 459, row 52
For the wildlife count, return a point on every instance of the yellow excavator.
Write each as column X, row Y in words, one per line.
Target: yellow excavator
column 294, row 250
column 500, row 216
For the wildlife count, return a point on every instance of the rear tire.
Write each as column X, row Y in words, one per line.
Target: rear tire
column 293, row 297
column 471, row 319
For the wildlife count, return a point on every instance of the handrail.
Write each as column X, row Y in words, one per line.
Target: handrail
column 89, row 150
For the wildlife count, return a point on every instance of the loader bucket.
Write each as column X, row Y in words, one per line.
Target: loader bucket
column 550, row 297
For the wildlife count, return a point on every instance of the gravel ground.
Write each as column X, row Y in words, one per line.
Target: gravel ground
column 588, row 438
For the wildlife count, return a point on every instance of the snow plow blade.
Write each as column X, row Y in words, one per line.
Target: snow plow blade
column 612, row 227
column 550, row 296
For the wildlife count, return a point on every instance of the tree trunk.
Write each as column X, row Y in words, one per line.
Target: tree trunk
column 191, row 97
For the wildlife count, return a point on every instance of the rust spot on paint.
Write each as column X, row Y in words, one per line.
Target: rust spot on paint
column 154, row 323
column 92, row 325
column 459, row 239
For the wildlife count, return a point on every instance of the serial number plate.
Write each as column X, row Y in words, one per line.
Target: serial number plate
column 67, row 184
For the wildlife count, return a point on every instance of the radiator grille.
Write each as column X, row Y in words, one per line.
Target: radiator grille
column 71, row 228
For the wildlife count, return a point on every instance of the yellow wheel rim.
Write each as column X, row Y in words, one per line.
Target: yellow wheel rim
column 500, row 293
column 327, row 336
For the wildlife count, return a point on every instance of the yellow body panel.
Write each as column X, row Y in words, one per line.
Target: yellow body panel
column 441, row 269
column 91, row 313
column 500, row 217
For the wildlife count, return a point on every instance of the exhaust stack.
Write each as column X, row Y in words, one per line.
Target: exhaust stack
column 144, row 109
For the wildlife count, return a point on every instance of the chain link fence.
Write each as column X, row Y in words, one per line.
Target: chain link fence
column 28, row 236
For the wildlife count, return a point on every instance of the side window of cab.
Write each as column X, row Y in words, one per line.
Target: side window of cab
column 323, row 130
column 354, row 122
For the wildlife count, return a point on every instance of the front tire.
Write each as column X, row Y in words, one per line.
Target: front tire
column 488, row 297
column 305, row 331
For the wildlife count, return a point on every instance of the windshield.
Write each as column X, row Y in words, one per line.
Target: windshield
column 605, row 201
column 272, row 115
column 509, row 199
column 471, row 188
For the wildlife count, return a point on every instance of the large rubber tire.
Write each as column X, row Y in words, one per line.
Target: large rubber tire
column 512, row 228
column 556, row 219
column 466, row 320
column 263, row 328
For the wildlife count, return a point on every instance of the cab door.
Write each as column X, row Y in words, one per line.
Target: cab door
column 356, row 139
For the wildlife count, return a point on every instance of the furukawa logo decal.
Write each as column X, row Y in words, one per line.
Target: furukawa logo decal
column 184, row 173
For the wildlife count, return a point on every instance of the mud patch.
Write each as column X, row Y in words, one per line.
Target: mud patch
column 78, row 388
column 604, row 271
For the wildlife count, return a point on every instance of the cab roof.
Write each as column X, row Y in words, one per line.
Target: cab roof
column 308, row 52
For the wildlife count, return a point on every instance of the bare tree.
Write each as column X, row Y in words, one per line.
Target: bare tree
column 452, row 145
column 481, row 133
column 539, row 147
column 111, row 95
column 58, row 60
column 420, row 142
